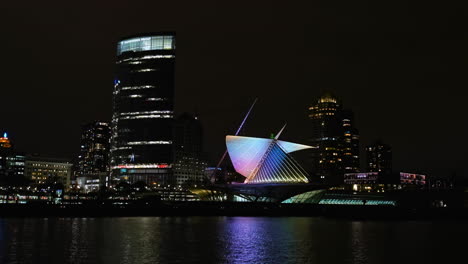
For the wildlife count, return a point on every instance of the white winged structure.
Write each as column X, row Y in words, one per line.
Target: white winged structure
column 263, row 160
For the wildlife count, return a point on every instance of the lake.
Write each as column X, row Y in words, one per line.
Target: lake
column 230, row 240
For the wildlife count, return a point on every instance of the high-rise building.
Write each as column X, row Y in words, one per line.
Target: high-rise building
column 336, row 138
column 94, row 149
column 379, row 169
column 5, row 152
column 350, row 143
column 379, row 158
column 143, row 102
column 93, row 161
column 11, row 163
column 190, row 163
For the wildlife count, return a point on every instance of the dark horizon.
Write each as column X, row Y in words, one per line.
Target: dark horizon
column 399, row 68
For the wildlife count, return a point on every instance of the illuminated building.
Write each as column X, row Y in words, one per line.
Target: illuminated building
column 361, row 178
column 412, row 178
column 189, row 163
column 12, row 168
column 332, row 131
column 379, row 157
column 43, row 171
column 376, row 180
column 11, row 163
column 263, row 160
column 5, row 142
column 379, row 167
column 142, row 133
column 16, row 164
column 273, row 176
column 94, row 150
column 93, row 161
column 349, row 143
column 5, row 152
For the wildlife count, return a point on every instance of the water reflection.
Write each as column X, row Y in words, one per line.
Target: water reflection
column 358, row 246
column 227, row 240
column 263, row 240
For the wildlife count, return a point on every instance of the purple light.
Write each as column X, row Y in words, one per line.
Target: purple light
column 263, row 160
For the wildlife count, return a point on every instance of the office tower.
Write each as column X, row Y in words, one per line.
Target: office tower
column 143, row 101
column 11, row 164
column 5, row 152
column 336, row 139
column 350, row 143
column 190, row 163
column 94, row 149
column 379, row 158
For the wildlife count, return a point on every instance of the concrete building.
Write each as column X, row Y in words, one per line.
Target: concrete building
column 44, row 171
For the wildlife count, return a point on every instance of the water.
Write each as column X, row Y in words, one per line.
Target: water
column 229, row 240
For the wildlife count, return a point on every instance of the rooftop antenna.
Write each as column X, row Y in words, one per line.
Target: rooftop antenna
column 237, row 133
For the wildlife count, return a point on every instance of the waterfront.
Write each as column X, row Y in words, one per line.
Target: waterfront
column 228, row 240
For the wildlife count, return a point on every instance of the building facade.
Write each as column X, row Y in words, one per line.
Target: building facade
column 349, row 143
column 143, row 102
column 47, row 171
column 373, row 178
column 94, row 149
column 11, row 164
column 336, row 139
column 413, row 178
column 189, row 159
column 362, row 178
column 379, row 158
column 93, row 160
column 6, row 151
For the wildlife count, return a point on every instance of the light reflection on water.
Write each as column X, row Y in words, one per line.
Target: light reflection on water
column 228, row 240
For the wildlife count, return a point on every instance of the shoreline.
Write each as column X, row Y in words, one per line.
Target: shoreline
column 187, row 209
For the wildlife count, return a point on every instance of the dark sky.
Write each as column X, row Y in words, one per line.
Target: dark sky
column 400, row 67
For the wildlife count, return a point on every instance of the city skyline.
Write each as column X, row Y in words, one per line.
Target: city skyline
column 387, row 82
column 232, row 132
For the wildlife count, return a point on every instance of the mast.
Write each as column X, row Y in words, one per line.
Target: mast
column 237, row 133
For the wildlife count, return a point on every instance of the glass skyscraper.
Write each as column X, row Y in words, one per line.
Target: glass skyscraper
column 190, row 162
column 143, row 102
column 94, row 149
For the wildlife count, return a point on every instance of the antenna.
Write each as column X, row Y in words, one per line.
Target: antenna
column 245, row 118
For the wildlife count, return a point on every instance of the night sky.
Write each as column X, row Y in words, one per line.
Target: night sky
column 401, row 68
